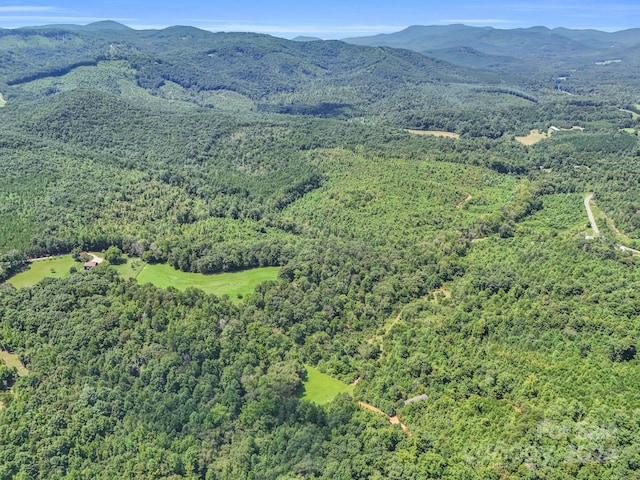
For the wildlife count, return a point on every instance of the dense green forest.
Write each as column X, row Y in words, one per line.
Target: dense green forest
column 456, row 282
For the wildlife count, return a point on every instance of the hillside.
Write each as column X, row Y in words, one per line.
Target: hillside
column 440, row 273
column 219, row 70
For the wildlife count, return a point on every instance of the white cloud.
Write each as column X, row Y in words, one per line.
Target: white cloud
column 316, row 30
column 26, row 9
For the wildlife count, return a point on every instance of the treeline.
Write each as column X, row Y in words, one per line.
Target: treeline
column 11, row 262
column 54, row 71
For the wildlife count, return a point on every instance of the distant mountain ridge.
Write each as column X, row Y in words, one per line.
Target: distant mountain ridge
column 560, row 46
column 500, row 41
column 577, row 57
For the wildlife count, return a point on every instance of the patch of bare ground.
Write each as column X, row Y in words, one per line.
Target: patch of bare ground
column 534, row 137
column 12, row 360
column 462, row 202
column 355, row 382
column 392, row 420
column 434, row 133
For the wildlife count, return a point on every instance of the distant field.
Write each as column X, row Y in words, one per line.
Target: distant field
column 320, row 388
column 57, row 267
column 534, row 137
column 235, row 284
column 12, row 360
column 434, row 133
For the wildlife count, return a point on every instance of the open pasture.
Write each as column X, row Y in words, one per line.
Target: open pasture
column 234, row 284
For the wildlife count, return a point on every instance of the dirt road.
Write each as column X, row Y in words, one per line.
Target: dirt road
column 392, row 420
column 592, row 219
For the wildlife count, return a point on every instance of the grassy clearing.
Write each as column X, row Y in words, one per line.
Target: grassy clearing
column 235, row 284
column 320, row 388
column 57, row 267
column 434, row 133
column 12, row 360
column 534, row 137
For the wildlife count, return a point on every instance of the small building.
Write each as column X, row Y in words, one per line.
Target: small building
column 416, row 399
column 89, row 265
column 554, row 129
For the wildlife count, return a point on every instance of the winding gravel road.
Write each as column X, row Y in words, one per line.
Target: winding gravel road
column 592, row 219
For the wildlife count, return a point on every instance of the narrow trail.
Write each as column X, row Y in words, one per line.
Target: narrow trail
column 392, row 420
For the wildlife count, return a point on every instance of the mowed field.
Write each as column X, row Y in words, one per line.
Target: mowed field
column 236, row 285
column 321, row 388
column 54, row 267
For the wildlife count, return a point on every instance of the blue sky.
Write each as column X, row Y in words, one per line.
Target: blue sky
column 325, row 19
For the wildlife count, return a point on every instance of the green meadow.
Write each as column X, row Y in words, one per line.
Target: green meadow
column 321, row 388
column 235, row 284
column 55, row 267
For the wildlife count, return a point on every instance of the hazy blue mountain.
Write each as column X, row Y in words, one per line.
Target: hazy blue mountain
column 304, row 38
column 560, row 46
column 515, row 42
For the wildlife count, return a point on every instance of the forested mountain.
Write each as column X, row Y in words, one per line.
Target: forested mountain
column 451, row 276
column 228, row 70
column 579, row 61
column 556, row 44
